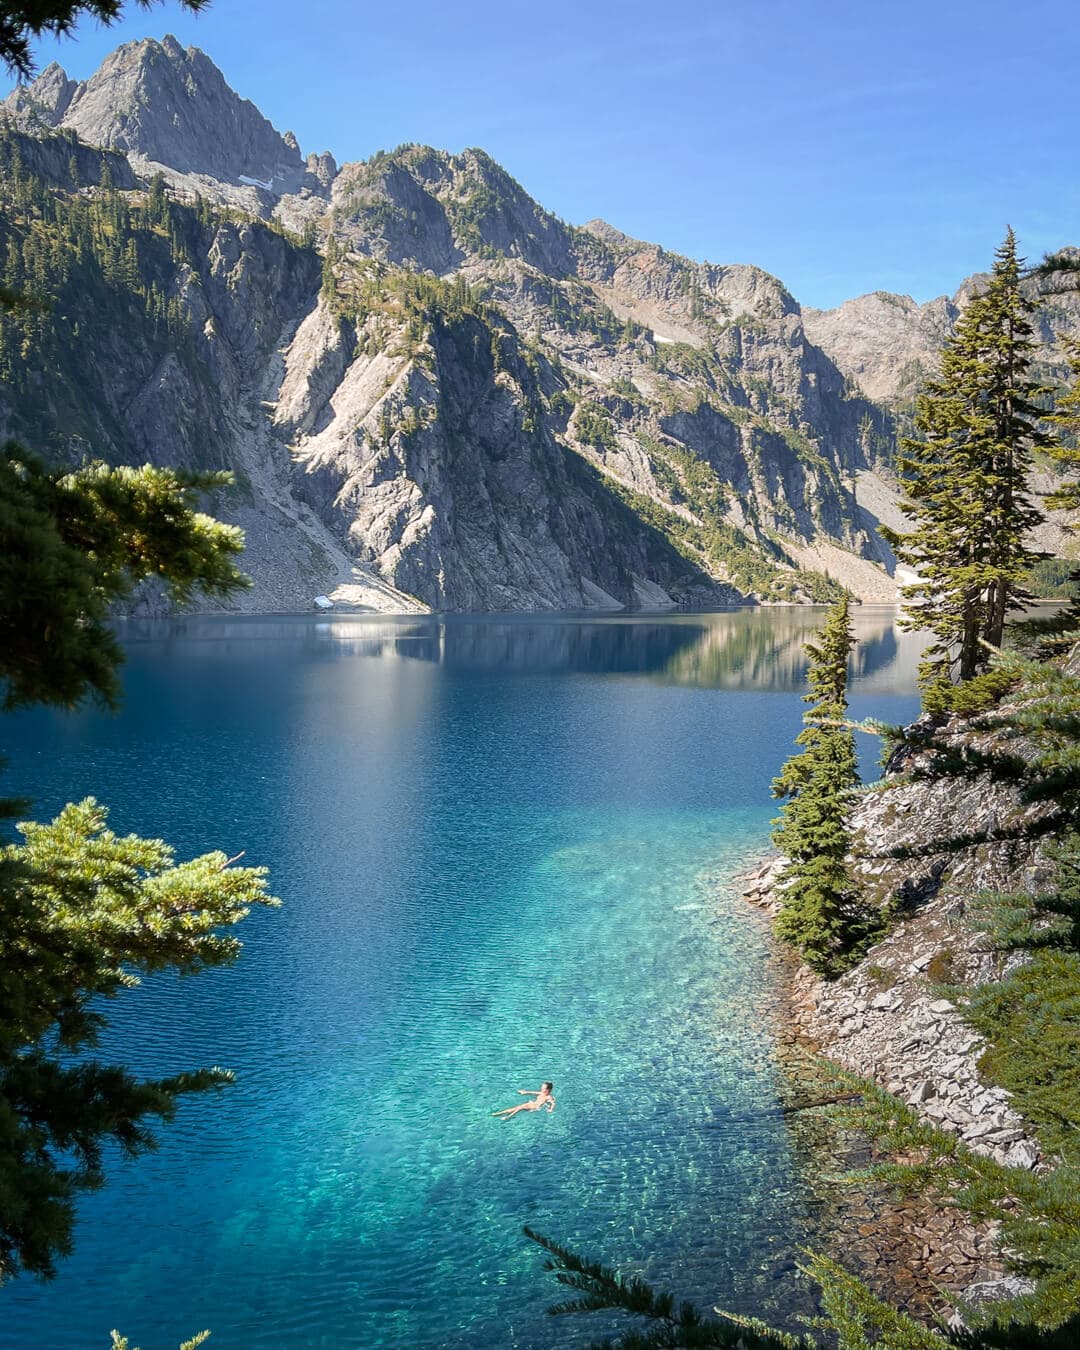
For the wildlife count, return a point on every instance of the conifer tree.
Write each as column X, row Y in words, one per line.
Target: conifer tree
column 1066, row 417
column 818, row 912
column 84, row 912
column 852, row 1317
column 967, row 483
column 1031, row 743
column 1052, row 634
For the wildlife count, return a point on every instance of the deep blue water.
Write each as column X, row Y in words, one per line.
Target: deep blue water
column 505, row 849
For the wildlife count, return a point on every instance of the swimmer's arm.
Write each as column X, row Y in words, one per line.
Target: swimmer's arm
column 528, row 1092
column 550, row 1103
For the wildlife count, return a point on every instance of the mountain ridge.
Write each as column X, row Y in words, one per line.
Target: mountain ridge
column 706, row 416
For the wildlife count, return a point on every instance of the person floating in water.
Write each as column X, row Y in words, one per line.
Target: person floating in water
column 543, row 1098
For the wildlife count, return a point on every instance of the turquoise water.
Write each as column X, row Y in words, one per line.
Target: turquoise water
column 506, row 851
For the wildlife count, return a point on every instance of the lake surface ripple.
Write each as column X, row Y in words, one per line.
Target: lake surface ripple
column 505, row 848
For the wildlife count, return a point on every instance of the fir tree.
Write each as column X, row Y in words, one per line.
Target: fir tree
column 852, row 1317
column 1049, row 635
column 1066, row 417
column 818, row 914
column 1031, row 742
column 967, row 483
column 73, row 543
column 84, row 912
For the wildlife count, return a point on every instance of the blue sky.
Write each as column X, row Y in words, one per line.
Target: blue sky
column 846, row 147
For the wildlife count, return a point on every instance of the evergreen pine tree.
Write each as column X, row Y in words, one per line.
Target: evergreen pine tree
column 1049, row 635
column 818, row 914
column 852, row 1317
column 967, row 483
column 1066, row 417
column 84, row 912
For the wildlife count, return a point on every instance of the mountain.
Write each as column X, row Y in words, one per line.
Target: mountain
column 170, row 108
column 888, row 344
column 433, row 392
column 885, row 344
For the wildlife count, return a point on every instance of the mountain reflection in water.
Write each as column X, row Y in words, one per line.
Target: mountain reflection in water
column 507, row 848
column 743, row 648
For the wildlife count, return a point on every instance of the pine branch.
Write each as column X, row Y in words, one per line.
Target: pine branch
column 604, row 1289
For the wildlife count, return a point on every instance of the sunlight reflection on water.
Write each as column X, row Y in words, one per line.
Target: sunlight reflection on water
column 503, row 847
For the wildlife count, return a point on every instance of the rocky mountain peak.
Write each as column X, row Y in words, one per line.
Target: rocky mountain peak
column 889, row 344
column 170, row 107
column 694, row 292
column 435, row 210
column 640, row 426
column 323, row 168
column 45, row 100
column 885, row 344
column 614, row 238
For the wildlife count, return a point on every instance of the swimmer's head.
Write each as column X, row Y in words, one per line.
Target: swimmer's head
column 548, row 1087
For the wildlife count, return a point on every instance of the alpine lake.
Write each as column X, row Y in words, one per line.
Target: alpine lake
column 507, row 850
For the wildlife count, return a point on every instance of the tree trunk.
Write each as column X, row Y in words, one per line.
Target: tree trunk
column 994, row 632
column 969, row 643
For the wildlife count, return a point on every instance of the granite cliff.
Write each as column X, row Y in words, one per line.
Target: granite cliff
column 434, row 393
column 888, row 344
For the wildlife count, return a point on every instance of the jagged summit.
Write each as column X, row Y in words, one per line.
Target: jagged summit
column 613, row 237
column 887, row 344
column 433, row 209
column 466, row 400
column 169, row 107
column 721, row 292
column 46, row 100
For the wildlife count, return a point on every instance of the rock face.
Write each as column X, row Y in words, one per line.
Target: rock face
column 162, row 105
column 435, row 211
column 63, row 162
column 464, row 402
column 887, row 1018
column 897, row 1018
column 434, row 470
column 887, row 344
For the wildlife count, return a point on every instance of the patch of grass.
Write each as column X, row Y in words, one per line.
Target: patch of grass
column 883, row 976
column 942, row 967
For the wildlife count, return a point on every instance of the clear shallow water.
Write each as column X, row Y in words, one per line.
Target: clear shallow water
column 505, row 849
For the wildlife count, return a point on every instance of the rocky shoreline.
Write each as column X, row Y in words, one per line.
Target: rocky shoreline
column 889, row 1019
column 914, row 1252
